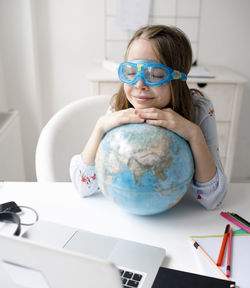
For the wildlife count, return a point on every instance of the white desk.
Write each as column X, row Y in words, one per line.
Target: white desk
column 59, row 202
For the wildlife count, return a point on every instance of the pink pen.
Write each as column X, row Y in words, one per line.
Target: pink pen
column 231, row 219
column 229, row 253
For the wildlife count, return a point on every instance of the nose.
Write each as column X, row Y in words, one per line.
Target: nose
column 140, row 84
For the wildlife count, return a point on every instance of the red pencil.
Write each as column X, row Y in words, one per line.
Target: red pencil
column 223, row 245
column 229, row 253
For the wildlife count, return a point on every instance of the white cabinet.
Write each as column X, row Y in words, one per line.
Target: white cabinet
column 224, row 90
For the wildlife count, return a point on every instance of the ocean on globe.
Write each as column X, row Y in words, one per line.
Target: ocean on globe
column 144, row 169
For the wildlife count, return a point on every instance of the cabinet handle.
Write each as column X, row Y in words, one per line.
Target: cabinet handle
column 201, row 85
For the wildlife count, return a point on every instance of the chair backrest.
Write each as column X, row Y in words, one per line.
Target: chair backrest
column 65, row 135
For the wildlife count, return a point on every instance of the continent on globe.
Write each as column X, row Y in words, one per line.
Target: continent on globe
column 145, row 169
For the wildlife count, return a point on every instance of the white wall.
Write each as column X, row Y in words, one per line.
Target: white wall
column 184, row 14
column 69, row 39
column 3, row 100
column 48, row 46
column 47, row 49
column 224, row 40
column 20, row 82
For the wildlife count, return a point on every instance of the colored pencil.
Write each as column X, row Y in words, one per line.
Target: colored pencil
column 229, row 253
column 240, row 219
column 197, row 246
column 223, row 245
column 236, row 222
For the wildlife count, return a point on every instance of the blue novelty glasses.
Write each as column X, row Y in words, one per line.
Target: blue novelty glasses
column 152, row 73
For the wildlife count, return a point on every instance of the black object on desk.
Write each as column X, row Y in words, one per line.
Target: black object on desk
column 170, row 278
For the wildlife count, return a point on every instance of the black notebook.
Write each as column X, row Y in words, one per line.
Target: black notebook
column 179, row 279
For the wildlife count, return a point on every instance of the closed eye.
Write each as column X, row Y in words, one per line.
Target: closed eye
column 158, row 76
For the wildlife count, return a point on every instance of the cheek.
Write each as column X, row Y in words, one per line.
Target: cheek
column 127, row 89
column 165, row 93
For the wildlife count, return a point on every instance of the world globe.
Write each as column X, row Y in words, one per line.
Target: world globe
column 144, row 169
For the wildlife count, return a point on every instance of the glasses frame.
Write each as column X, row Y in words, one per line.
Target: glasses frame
column 171, row 73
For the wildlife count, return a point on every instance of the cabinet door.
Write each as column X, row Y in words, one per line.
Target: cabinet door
column 222, row 96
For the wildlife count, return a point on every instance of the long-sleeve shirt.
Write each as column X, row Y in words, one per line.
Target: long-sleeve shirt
column 209, row 194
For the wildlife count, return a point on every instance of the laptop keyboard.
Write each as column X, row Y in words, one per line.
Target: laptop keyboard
column 131, row 279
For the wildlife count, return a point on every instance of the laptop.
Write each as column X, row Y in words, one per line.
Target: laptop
column 63, row 256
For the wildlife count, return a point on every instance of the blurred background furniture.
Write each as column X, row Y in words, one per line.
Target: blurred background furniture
column 65, row 135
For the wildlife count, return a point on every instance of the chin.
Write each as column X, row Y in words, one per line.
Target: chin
column 141, row 106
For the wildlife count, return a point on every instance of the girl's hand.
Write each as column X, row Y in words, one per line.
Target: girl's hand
column 105, row 123
column 109, row 121
column 169, row 119
column 205, row 168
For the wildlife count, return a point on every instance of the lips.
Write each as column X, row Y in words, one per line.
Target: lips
column 143, row 98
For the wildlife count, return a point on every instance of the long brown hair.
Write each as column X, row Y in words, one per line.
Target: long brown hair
column 173, row 49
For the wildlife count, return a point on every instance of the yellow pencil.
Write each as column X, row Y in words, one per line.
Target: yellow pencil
column 197, row 246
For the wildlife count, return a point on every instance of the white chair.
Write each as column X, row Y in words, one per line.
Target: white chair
column 65, row 135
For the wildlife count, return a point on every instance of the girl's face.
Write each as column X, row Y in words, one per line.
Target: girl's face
column 140, row 95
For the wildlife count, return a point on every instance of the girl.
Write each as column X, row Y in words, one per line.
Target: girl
column 154, row 90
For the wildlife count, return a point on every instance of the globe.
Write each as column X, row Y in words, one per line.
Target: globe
column 144, row 169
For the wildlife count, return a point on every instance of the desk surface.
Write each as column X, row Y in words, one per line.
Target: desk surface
column 59, row 202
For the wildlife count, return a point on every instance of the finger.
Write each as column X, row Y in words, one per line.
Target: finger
column 162, row 123
column 147, row 110
column 148, row 115
column 168, row 109
column 130, row 119
column 158, row 114
column 129, row 115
